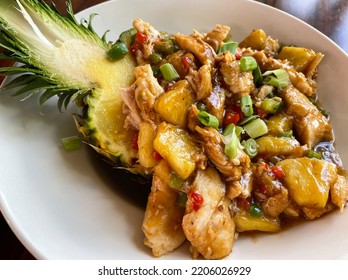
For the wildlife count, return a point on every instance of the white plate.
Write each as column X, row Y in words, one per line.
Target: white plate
column 64, row 206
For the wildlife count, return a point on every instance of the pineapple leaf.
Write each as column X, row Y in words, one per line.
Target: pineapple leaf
column 58, row 50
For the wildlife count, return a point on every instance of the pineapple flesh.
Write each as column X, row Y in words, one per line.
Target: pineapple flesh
column 69, row 60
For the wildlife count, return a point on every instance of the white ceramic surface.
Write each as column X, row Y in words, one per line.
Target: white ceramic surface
column 64, row 206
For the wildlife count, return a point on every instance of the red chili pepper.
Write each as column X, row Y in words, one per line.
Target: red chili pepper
column 197, row 200
column 134, row 48
column 186, row 62
column 278, row 172
column 261, row 113
column 242, row 203
column 233, row 114
column 238, row 54
column 262, row 189
column 141, row 38
column 265, row 166
column 134, row 145
column 156, row 155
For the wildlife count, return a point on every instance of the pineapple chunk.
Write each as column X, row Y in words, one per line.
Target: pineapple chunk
column 255, row 40
column 145, row 144
column 177, row 147
column 278, row 124
column 245, row 222
column 173, row 105
column 269, row 146
column 309, row 180
column 300, row 58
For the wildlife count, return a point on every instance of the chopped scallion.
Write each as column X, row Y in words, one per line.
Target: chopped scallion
column 182, row 199
column 257, row 74
column 288, row 133
column 314, row 154
column 168, row 72
column 246, row 105
column 278, row 78
column 255, row 210
column 208, row 119
column 250, row 147
column 248, row 63
column 231, row 142
column 229, row 129
column 229, row 46
column 155, row 58
column 117, row 51
column 248, row 119
column 71, row 143
column 127, row 37
column 175, row 181
column 256, row 128
column 271, row 105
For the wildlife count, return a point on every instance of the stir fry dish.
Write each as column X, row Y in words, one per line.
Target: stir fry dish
column 232, row 133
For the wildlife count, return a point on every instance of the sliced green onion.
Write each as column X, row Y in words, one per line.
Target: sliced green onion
column 250, row 147
column 248, row 119
column 271, row 105
column 175, row 181
column 278, row 78
column 229, row 46
column 257, row 74
column 256, row 128
column 248, row 63
column 208, row 119
column 314, row 154
column 231, row 142
column 182, row 200
column 127, row 37
column 201, row 106
column 71, row 143
column 165, row 47
column 255, row 210
column 288, row 133
column 155, row 58
column 229, row 129
column 168, row 72
column 117, row 51
column 246, row 105
column 155, row 70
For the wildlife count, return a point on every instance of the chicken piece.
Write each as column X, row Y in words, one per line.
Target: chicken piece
column 339, row 192
column 130, row 108
column 152, row 36
column 213, row 144
column 200, row 81
column 265, row 62
column 208, row 225
column 196, row 45
column 312, row 213
column 283, row 147
column 241, row 187
column 176, row 60
column 276, row 204
column 163, row 218
column 240, row 82
column 192, row 118
column 300, row 81
column 216, row 103
column 216, row 36
column 309, row 180
column 147, row 89
column 271, row 46
column 311, row 126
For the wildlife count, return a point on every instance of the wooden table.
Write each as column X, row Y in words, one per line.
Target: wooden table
column 328, row 16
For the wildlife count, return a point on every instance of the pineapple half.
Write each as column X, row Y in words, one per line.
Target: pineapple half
column 63, row 58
